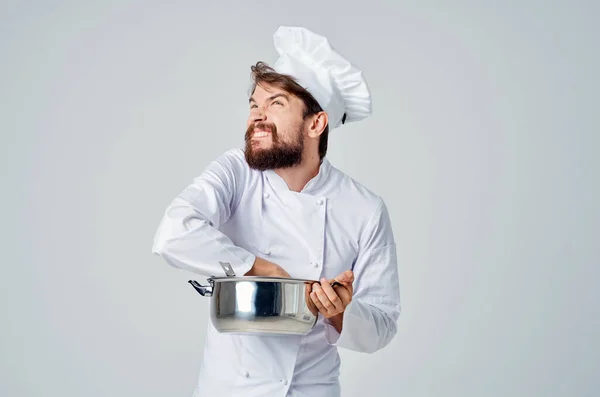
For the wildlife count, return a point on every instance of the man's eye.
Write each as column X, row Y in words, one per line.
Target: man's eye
column 278, row 103
column 253, row 106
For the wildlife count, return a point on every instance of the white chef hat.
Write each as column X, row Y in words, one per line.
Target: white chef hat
column 336, row 84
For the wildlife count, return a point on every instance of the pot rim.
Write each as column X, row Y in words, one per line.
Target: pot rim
column 261, row 278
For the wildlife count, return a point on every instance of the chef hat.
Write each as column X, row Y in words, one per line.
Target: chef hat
column 336, row 84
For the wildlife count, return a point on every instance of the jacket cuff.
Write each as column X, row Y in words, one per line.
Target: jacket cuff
column 243, row 264
column 331, row 334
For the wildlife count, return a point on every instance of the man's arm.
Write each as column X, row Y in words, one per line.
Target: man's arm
column 368, row 322
column 188, row 237
column 263, row 267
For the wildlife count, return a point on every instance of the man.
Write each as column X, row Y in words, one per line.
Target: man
column 279, row 208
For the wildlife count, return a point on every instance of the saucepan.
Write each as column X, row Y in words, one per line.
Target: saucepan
column 258, row 305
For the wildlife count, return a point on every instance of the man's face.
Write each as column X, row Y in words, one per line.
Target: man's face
column 274, row 135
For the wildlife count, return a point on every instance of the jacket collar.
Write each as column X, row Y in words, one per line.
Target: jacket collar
column 313, row 186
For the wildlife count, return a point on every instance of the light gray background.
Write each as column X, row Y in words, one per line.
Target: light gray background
column 483, row 142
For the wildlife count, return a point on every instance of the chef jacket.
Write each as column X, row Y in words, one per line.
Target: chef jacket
column 233, row 213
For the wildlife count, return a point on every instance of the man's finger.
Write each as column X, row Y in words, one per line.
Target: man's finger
column 307, row 295
column 317, row 303
column 346, row 277
column 332, row 295
column 345, row 294
column 324, row 299
column 342, row 286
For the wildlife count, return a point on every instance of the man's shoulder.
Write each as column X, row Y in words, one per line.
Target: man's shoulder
column 233, row 157
column 232, row 160
column 366, row 208
column 348, row 188
column 230, row 166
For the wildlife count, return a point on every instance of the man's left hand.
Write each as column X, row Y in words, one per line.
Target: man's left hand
column 331, row 300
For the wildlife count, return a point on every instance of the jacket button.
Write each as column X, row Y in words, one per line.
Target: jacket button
column 268, row 252
column 267, row 195
column 284, row 381
column 320, row 202
column 316, row 264
column 245, row 374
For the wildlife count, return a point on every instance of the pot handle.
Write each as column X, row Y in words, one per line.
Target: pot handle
column 204, row 290
column 227, row 269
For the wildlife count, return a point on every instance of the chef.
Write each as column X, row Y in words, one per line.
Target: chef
column 278, row 207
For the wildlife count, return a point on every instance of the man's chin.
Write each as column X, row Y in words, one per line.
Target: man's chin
column 261, row 146
column 270, row 157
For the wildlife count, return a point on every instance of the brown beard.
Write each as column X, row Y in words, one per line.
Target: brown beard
column 279, row 155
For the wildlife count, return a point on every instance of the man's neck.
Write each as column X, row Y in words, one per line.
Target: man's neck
column 297, row 177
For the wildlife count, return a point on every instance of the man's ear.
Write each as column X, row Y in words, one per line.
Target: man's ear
column 317, row 124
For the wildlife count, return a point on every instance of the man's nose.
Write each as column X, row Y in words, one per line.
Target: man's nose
column 259, row 115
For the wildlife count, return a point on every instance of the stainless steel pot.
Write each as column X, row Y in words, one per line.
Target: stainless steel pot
column 258, row 305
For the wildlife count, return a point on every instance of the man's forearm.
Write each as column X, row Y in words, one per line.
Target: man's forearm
column 263, row 267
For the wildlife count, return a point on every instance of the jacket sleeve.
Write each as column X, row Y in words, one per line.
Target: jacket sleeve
column 188, row 235
column 370, row 320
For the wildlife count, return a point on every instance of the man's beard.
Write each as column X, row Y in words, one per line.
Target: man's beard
column 279, row 155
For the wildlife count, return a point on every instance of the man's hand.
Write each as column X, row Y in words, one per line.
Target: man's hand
column 331, row 301
column 263, row 267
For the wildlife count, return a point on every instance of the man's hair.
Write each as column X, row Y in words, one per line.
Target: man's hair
column 263, row 73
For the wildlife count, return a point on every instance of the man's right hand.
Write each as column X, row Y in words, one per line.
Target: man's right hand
column 263, row 267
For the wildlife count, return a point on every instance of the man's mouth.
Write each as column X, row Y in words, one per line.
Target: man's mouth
column 261, row 134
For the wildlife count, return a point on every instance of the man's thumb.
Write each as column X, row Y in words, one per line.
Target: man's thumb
column 346, row 277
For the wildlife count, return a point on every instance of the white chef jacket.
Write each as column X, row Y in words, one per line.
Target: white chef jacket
column 233, row 213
